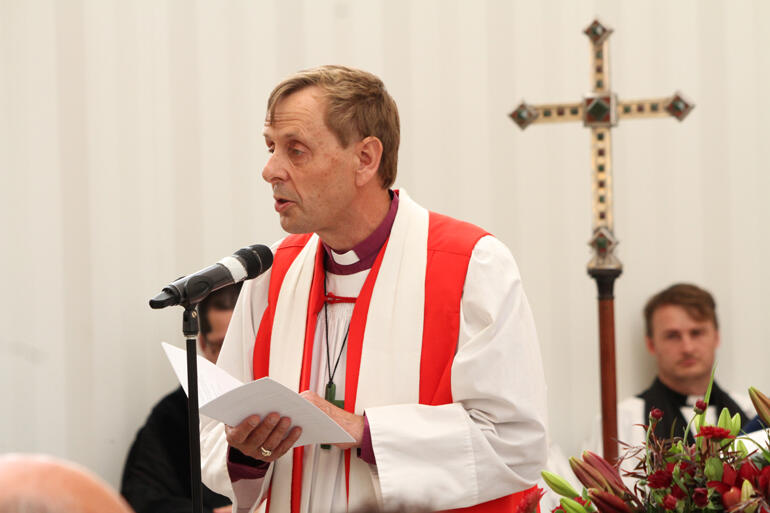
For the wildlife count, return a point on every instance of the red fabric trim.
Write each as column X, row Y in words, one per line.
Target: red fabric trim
column 284, row 256
column 355, row 346
column 314, row 306
column 450, row 244
column 507, row 504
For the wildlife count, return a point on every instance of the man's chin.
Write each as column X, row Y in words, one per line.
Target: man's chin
column 293, row 227
column 692, row 373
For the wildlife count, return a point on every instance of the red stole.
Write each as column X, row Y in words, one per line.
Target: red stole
column 450, row 243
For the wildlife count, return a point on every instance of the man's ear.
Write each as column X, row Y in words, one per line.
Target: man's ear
column 650, row 345
column 369, row 154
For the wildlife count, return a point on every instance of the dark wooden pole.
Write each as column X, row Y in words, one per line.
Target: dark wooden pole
column 605, row 281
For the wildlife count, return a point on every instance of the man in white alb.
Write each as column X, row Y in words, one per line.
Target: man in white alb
column 410, row 329
column 682, row 334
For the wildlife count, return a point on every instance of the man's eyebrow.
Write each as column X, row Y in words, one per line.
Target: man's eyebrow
column 280, row 135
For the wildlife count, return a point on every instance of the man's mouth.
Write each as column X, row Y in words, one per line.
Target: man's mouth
column 281, row 204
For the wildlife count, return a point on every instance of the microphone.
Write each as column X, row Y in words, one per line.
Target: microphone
column 244, row 264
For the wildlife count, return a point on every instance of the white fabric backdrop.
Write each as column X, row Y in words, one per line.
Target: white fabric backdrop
column 131, row 151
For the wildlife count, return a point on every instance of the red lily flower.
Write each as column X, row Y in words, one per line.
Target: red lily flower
column 718, row 486
column 764, row 482
column 729, row 480
column 731, row 497
column 729, row 475
column 749, row 472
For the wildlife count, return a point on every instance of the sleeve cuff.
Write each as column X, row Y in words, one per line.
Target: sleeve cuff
column 240, row 466
column 366, row 451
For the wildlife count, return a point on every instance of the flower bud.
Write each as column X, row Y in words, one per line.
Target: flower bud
column 572, row 506
column 700, row 497
column 656, row 413
column 606, row 502
column 609, row 472
column 669, row 502
column 558, row 484
column 589, row 476
column 700, row 406
column 761, row 404
column 747, row 491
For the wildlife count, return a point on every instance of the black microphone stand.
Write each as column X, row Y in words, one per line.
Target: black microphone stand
column 190, row 329
column 188, row 292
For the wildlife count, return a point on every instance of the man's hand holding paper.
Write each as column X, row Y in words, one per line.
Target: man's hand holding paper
column 263, row 439
column 263, row 411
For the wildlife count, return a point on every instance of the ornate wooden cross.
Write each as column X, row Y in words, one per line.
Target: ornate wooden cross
column 600, row 110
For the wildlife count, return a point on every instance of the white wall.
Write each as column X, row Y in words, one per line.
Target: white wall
column 130, row 153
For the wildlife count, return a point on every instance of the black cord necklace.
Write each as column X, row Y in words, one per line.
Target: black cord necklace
column 331, row 388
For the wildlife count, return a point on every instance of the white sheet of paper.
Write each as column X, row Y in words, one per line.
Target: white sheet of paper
column 224, row 398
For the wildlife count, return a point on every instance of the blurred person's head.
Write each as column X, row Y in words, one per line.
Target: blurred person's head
column 35, row 483
column 682, row 334
column 214, row 314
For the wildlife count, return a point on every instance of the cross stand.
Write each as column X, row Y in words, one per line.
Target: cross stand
column 605, row 282
column 190, row 330
column 600, row 110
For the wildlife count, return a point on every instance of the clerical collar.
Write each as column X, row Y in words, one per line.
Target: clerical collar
column 363, row 254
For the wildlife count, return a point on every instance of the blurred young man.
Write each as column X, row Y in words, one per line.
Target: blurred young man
column 156, row 478
column 410, row 329
column 682, row 334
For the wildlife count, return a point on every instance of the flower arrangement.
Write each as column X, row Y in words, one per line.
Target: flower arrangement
column 717, row 473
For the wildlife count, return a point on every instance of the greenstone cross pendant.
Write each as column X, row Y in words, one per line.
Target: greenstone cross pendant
column 329, row 395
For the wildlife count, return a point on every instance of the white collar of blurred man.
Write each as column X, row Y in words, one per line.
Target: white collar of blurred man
column 684, row 348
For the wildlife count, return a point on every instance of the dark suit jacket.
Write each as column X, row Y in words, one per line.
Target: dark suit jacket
column 156, row 477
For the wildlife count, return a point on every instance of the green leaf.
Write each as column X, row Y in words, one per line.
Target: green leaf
column 713, row 469
column 741, row 448
column 736, row 424
column 724, row 420
column 707, row 398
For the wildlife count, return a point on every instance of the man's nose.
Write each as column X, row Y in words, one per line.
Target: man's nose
column 274, row 169
column 688, row 344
